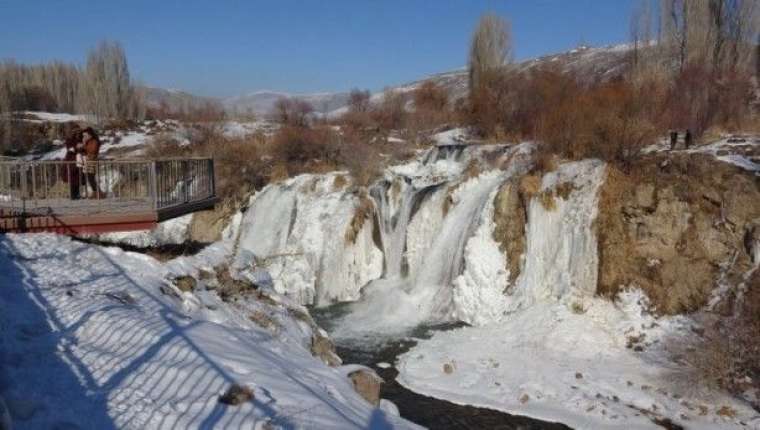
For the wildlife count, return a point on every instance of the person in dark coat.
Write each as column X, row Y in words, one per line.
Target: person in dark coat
column 673, row 139
column 687, row 139
column 72, row 172
column 91, row 148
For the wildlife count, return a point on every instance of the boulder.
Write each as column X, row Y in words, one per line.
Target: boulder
column 368, row 384
column 324, row 348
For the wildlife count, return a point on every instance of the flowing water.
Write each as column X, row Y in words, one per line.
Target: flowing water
column 427, row 411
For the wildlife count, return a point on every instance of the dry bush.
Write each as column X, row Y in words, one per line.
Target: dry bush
column 302, row 148
column 360, row 157
column 727, row 354
column 431, row 106
column 239, row 163
column 391, row 113
column 611, row 122
column 292, row 112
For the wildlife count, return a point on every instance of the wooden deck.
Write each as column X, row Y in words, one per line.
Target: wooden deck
column 137, row 195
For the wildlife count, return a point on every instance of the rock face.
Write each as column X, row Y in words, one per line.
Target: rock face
column 207, row 226
column 367, row 383
column 674, row 227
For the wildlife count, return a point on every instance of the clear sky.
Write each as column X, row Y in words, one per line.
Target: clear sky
column 223, row 48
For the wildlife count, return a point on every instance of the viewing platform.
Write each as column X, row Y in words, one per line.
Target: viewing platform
column 38, row 196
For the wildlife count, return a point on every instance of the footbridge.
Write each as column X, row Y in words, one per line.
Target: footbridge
column 102, row 196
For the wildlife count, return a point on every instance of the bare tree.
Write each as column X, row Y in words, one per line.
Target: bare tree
column 490, row 50
column 641, row 31
column 359, row 101
column 293, row 112
column 108, row 91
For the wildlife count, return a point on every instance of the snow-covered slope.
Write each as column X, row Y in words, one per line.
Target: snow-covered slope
column 95, row 337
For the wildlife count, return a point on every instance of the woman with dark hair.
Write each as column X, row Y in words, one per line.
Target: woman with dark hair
column 91, row 144
column 72, row 171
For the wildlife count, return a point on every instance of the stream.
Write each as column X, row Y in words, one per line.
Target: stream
column 426, row 411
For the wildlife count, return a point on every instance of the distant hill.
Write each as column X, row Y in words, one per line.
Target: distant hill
column 175, row 100
column 261, row 102
column 591, row 64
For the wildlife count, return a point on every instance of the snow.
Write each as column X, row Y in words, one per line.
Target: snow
column 729, row 149
column 455, row 136
column 96, row 337
column 552, row 363
column 56, row 117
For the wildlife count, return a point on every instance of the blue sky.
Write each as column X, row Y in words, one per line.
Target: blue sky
column 223, row 48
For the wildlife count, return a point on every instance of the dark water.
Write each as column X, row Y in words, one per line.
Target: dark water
column 426, row 411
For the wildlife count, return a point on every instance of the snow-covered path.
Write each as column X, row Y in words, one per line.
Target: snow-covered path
column 89, row 340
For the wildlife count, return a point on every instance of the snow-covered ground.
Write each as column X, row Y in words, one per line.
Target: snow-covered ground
column 741, row 151
column 35, row 116
column 96, row 337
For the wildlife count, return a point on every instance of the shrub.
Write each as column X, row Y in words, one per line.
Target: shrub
column 292, row 112
column 610, row 122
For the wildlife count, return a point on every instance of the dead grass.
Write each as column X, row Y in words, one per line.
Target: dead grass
column 546, row 198
column 510, row 216
column 340, row 182
column 362, row 214
column 530, row 186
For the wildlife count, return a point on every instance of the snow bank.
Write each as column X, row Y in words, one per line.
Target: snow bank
column 172, row 232
column 297, row 231
column 95, row 337
column 552, row 363
column 56, row 117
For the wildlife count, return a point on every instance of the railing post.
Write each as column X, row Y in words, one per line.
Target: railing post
column 153, row 184
column 212, row 178
column 185, row 180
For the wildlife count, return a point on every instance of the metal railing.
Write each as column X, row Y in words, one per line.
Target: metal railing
column 103, row 185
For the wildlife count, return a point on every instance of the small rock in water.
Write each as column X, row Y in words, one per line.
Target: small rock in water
column 448, row 368
column 578, row 375
column 524, row 398
column 236, row 395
